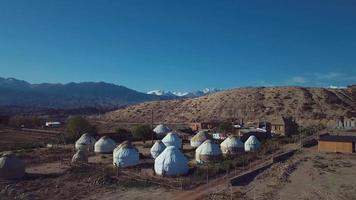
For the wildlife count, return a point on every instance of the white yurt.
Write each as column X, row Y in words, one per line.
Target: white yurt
column 11, row 167
column 172, row 139
column 85, row 142
column 199, row 138
column 157, row 149
column 105, row 145
column 161, row 130
column 171, row 162
column 252, row 144
column 80, row 157
column 232, row 145
column 207, row 152
column 126, row 155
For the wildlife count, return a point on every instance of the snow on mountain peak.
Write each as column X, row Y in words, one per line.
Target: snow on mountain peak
column 184, row 94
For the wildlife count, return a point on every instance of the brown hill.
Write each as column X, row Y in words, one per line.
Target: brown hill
column 306, row 105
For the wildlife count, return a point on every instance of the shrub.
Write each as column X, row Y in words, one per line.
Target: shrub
column 122, row 134
column 28, row 122
column 142, row 132
column 78, row 126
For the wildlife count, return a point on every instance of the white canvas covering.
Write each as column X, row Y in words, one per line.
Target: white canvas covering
column 207, row 151
column 126, row 156
column 161, row 130
column 105, row 145
column 171, row 162
column 172, row 139
column 11, row 167
column 199, row 138
column 86, row 142
column 157, row 149
column 252, row 144
column 232, row 145
column 80, row 157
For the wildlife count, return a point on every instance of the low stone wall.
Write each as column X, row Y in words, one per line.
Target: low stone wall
column 247, row 177
column 283, row 156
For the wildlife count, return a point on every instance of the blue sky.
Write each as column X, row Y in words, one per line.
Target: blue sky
column 179, row 45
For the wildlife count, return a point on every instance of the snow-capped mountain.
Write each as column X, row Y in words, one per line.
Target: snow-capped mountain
column 184, row 94
column 161, row 93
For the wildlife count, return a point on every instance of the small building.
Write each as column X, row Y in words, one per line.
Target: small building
column 336, row 143
column 197, row 126
column 53, row 124
column 284, row 126
column 346, row 123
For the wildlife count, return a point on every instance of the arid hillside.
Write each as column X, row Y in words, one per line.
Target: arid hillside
column 306, row 105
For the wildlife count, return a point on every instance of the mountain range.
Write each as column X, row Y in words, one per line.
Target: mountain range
column 14, row 92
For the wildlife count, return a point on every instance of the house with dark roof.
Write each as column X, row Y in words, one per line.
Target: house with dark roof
column 336, row 143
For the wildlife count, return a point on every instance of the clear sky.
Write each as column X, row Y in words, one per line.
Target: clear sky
column 179, row 45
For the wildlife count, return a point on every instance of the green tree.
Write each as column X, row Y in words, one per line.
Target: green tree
column 78, row 126
column 142, row 132
column 225, row 127
column 123, row 134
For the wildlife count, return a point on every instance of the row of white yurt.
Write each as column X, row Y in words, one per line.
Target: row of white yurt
column 199, row 138
column 88, row 143
column 11, row 167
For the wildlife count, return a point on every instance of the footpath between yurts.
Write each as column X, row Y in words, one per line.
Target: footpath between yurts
column 170, row 162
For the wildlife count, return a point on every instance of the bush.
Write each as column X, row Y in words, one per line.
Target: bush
column 122, row 134
column 28, row 122
column 142, row 132
column 225, row 127
column 78, row 126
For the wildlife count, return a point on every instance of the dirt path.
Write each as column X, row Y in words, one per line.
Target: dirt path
column 48, row 168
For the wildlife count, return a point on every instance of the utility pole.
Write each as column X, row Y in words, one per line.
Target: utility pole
column 152, row 126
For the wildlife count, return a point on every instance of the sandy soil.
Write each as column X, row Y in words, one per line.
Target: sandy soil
column 308, row 175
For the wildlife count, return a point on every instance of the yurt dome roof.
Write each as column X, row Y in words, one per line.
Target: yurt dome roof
column 126, row 155
column 208, row 148
column 157, row 149
column 172, row 139
column 252, row 144
column 85, row 142
column 11, row 167
column 171, row 162
column 105, row 145
column 161, row 129
column 80, row 157
column 232, row 142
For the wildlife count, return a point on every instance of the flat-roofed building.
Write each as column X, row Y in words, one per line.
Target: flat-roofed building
column 336, row 143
